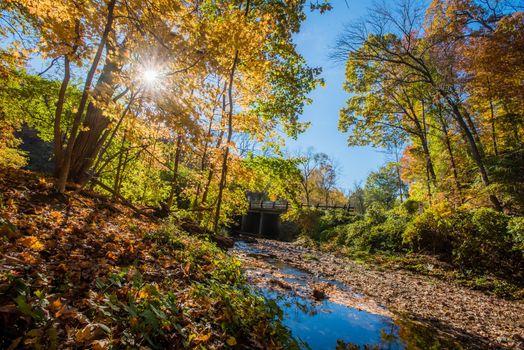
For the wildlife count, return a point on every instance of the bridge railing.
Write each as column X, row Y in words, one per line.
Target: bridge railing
column 275, row 205
column 284, row 206
column 323, row 206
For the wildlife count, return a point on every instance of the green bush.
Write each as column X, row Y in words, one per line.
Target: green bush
column 375, row 214
column 429, row 233
column 332, row 234
column 474, row 240
column 356, row 235
column 411, row 206
column 392, row 230
column 482, row 241
column 308, row 223
column 331, row 225
column 516, row 232
column 479, row 240
column 323, row 226
column 336, row 217
column 378, row 230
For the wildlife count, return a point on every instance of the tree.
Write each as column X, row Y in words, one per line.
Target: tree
column 162, row 89
column 382, row 187
column 308, row 164
column 356, row 198
column 326, row 176
column 416, row 53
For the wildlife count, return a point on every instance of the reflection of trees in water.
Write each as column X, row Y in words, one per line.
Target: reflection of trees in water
column 342, row 345
column 400, row 334
column 389, row 340
column 299, row 304
column 405, row 334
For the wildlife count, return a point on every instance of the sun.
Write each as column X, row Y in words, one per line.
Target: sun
column 150, row 76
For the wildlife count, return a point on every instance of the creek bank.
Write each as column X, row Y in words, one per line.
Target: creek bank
column 476, row 319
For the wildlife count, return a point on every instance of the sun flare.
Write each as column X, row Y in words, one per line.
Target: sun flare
column 150, row 75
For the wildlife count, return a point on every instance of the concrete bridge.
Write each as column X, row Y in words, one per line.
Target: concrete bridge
column 263, row 217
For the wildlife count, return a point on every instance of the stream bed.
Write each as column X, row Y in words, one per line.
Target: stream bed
column 326, row 314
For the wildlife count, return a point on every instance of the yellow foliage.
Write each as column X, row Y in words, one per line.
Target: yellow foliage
column 31, row 242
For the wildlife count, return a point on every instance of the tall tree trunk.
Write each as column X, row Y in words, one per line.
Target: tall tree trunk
column 58, row 136
column 174, row 180
column 150, row 163
column 91, row 138
column 306, row 190
column 210, row 173
column 117, row 181
column 451, row 159
column 425, row 146
column 475, row 133
column 63, row 173
column 475, row 152
column 223, row 174
column 57, row 132
column 428, row 187
column 111, row 134
column 203, row 160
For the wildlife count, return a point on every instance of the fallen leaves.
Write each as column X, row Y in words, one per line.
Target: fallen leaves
column 31, row 242
column 231, row 341
column 483, row 319
column 85, row 276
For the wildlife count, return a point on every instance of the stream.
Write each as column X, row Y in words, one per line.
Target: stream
column 323, row 313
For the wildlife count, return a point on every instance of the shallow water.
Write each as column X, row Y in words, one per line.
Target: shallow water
column 321, row 324
column 329, row 325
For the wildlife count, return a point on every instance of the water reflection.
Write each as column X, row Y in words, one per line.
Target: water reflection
column 328, row 325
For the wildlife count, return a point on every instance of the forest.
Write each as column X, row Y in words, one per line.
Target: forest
column 134, row 133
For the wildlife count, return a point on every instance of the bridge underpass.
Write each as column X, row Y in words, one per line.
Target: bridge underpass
column 263, row 217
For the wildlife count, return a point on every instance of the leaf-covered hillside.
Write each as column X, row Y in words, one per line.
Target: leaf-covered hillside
column 77, row 270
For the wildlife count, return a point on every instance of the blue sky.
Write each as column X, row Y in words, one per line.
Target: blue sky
column 317, row 36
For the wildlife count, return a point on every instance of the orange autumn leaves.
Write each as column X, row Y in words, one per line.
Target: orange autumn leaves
column 31, row 242
column 102, row 278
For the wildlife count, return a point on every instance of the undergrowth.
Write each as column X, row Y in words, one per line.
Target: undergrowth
column 479, row 248
column 82, row 274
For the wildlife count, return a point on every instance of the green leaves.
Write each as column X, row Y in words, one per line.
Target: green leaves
column 277, row 176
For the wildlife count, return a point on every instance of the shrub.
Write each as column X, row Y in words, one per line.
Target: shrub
column 378, row 230
column 375, row 214
column 490, row 224
column 411, row 206
column 336, row 217
column 355, row 235
column 428, row 232
column 482, row 239
column 323, row 225
column 308, row 222
column 516, row 232
column 331, row 234
column 392, row 230
column 331, row 225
